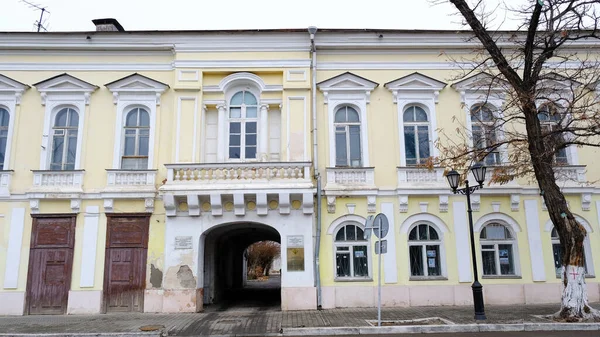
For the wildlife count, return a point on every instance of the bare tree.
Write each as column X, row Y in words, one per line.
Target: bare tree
column 260, row 256
column 546, row 74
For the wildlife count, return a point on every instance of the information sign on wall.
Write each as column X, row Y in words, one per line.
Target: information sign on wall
column 295, row 253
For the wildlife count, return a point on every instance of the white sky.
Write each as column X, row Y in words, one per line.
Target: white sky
column 76, row 15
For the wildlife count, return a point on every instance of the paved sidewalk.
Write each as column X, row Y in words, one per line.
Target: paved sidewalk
column 257, row 321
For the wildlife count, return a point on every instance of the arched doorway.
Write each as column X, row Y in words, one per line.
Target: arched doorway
column 224, row 269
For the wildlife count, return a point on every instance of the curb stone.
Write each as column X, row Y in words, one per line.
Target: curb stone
column 80, row 334
column 457, row 328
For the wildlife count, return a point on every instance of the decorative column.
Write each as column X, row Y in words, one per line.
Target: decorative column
column 221, row 132
column 263, row 143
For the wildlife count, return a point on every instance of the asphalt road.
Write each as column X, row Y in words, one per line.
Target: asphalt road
column 501, row 334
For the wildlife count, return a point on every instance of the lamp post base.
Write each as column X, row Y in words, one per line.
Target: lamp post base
column 478, row 300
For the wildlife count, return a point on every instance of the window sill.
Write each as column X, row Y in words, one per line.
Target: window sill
column 586, row 276
column 428, row 278
column 353, row 279
column 506, row 277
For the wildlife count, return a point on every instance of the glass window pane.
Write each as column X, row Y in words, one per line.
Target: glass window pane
column 352, row 115
column 237, row 99
column 4, row 117
column 433, row 260
column 341, row 154
column 251, row 112
column 250, row 127
column 410, row 145
column 557, row 254
column 57, row 150
column 134, row 163
column 249, row 98
column 234, row 152
column 73, row 118
column 360, row 234
column 250, row 152
column 554, row 233
column 131, row 119
column 340, row 116
column 129, row 148
column 423, row 133
column 495, row 232
column 351, row 232
column 72, row 150
column 341, row 234
column 413, row 234
column 130, row 132
column 420, row 115
column 234, row 140
column 507, row 266
column 361, row 267
column 143, row 150
column 144, row 132
column 409, row 115
column 343, row 249
column 355, row 145
column 235, row 127
column 342, row 263
column 416, row 260
column 144, row 118
column 478, row 139
column 2, row 151
column 61, row 118
column 235, row 112
column 433, row 235
column 489, row 262
column 423, row 232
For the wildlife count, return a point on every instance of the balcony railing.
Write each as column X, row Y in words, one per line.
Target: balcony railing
column 571, row 173
column 130, row 179
column 418, row 176
column 5, row 178
column 235, row 174
column 59, row 181
column 354, row 177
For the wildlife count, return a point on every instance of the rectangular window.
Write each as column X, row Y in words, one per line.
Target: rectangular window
column 505, row 254
column 410, row 146
column 489, row 261
column 423, row 133
column 355, row 146
column 432, row 255
column 250, row 139
column 342, row 261
column 235, row 135
column 341, row 153
column 361, row 268
column 416, row 260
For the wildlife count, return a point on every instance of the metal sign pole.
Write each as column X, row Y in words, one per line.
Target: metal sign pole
column 379, row 278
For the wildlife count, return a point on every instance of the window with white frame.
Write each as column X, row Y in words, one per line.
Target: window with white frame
column 4, row 120
column 243, row 123
column 351, row 252
column 347, row 138
column 416, row 135
column 136, row 138
column 497, row 250
column 550, row 121
column 64, row 139
column 483, row 130
column 424, row 246
column 557, row 253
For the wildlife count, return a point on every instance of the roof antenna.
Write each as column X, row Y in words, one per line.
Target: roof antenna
column 43, row 10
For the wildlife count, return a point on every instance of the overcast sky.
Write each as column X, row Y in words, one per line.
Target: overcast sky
column 76, row 15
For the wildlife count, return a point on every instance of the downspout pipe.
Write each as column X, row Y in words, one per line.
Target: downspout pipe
column 312, row 30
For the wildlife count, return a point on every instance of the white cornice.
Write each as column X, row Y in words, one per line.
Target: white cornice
column 74, row 66
column 275, row 63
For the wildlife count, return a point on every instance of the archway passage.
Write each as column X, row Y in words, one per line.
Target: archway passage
column 225, row 270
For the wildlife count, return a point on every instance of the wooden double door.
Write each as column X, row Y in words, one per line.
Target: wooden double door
column 125, row 262
column 50, row 264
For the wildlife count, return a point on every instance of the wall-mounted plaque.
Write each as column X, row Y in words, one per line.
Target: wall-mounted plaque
column 295, row 253
column 295, row 241
column 183, row 242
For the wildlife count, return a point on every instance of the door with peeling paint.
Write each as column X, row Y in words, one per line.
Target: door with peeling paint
column 125, row 262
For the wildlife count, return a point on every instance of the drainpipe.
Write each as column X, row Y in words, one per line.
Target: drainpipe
column 312, row 30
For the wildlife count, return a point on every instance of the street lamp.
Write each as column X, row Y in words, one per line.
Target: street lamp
column 453, row 177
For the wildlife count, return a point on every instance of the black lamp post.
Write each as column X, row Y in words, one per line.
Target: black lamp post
column 454, row 180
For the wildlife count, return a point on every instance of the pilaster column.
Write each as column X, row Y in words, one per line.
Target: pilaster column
column 263, row 143
column 221, row 132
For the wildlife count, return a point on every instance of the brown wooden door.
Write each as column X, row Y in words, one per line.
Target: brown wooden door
column 50, row 264
column 125, row 263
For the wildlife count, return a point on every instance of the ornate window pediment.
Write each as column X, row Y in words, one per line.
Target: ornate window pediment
column 13, row 89
column 415, row 84
column 347, row 84
column 136, row 84
column 65, row 85
column 482, row 87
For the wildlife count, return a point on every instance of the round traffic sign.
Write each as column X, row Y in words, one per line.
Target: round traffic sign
column 381, row 225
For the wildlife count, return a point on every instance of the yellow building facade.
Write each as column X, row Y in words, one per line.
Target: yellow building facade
column 138, row 166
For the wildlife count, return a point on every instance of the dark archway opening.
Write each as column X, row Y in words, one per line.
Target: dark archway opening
column 226, row 285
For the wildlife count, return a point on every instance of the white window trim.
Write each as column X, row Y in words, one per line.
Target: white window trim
column 336, row 244
column 361, row 107
column 515, row 247
column 52, row 129
column 346, row 126
column 441, row 234
column 10, row 98
column 416, row 89
column 236, row 85
column 587, row 247
column 572, row 156
column 135, row 91
column 61, row 92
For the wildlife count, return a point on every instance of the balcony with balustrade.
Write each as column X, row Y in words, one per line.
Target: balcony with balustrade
column 344, row 180
column 57, row 182
column 135, row 181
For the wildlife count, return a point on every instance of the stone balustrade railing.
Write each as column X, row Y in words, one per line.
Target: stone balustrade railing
column 571, row 173
column 354, row 176
column 58, row 179
column 130, row 178
column 420, row 175
column 238, row 172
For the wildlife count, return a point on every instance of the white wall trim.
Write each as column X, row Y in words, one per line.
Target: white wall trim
column 335, row 224
column 461, row 235
column 87, row 66
column 178, row 127
column 390, row 263
column 11, row 92
column 275, row 63
column 13, row 253
column 90, row 241
column 536, row 251
column 288, row 126
column 425, row 217
column 496, row 217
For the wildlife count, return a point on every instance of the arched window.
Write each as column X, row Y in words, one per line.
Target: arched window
column 347, row 138
column 4, row 119
column 424, row 251
column 351, row 252
column 550, row 121
column 497, row 250
column 416, row 135
column 136, row 135
column 64, row 140
column 243, row 120
column 483, row 129
column 557, row 253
